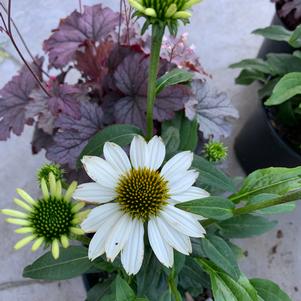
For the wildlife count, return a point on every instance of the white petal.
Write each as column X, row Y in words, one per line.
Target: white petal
column 138, row 152
column 175, row 239
column 177, row 164
column 183, row 183
column 133, row 252
column 161, row 248
column 182, row 221
column 118, row 236
column 94, row 192
column 98, row 242
column 193, row 193
column 101, row 171
column 156, row 153
column 98, row 216
column 117, row 157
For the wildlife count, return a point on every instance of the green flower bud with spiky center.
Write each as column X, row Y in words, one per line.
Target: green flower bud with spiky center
column 45, row 170
column 215, row 151
column 50, row 220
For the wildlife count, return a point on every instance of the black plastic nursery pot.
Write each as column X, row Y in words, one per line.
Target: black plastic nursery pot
column 258, row 145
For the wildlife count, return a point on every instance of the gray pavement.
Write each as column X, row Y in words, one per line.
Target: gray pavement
column 220, row 30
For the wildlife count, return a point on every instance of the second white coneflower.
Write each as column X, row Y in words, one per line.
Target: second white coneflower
column 50, row 220
column 134, row 192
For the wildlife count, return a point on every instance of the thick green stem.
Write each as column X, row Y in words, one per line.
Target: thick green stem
column 157, row 37
column 173, row 288
column 290, row 197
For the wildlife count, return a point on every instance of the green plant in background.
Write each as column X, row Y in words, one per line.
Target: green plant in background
column 279, row 73
column 160, row 233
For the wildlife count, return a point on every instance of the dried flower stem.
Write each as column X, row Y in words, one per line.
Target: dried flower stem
column 157, row 37
column 24, row 43
column 7, row 30
column 80, row 6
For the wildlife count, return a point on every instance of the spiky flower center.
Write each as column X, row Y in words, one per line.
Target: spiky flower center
column 161, row 6
column 51, row 218
column 142, row 193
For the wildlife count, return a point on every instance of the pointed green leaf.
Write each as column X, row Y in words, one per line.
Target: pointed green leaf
column 217, row 208
column 72, row 263
column 219, row 252
column 246, row 225
column 174, row 77
column 269, row 291
column 121, row 134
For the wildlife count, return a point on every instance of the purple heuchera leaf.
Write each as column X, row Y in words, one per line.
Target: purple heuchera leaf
column 65, row 99
column 131, row 81
column 73, row 135
column 14, row 99
column 176, row 50
column 211, row 109
column 96, row 24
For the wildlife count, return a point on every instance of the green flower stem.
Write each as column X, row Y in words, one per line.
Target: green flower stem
column 290, row 197
column 173, row 288
column 157, row 37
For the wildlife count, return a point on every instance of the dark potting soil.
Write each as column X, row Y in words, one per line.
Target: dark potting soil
column 290, row 21
column 291, row 135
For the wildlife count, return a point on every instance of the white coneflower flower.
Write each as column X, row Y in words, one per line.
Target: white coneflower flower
column 134, row 192
column 50, row 220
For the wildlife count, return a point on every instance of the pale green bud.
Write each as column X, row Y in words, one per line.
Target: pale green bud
column 182, row 15
column 150, row 12
column 171, row 10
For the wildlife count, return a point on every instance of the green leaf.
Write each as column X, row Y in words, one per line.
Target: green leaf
column 246, row 225
column 274, row 32
column 225, row 288
column 247, row 77
column 120, row 134
column 254, row 64
column 282, row 208
column 211, row 178
column 72, row 263
column 295, row 38
column 217, row 208
column 171, row 138
column 166, row 296
column 123, row 291
column 288, row 87
column 275, row 180
column 283, row 63
column 174, row 77
column 192, row 278
column 98, row 291
column 151, row 280
column 188, row 131
column 267, row 89
column 269, row 291
column 219, row 252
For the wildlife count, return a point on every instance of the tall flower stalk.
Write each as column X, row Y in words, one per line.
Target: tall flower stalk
column 157, row 37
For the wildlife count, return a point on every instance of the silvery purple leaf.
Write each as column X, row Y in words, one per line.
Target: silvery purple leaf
column 97, row 23
column 14, row 100
column 212, row 110
column 73, row 135
column 131, row 82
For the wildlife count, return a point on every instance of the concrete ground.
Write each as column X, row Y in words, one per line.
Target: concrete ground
column 220, row 30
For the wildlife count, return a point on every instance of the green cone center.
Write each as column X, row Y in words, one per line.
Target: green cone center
column 52, row 218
